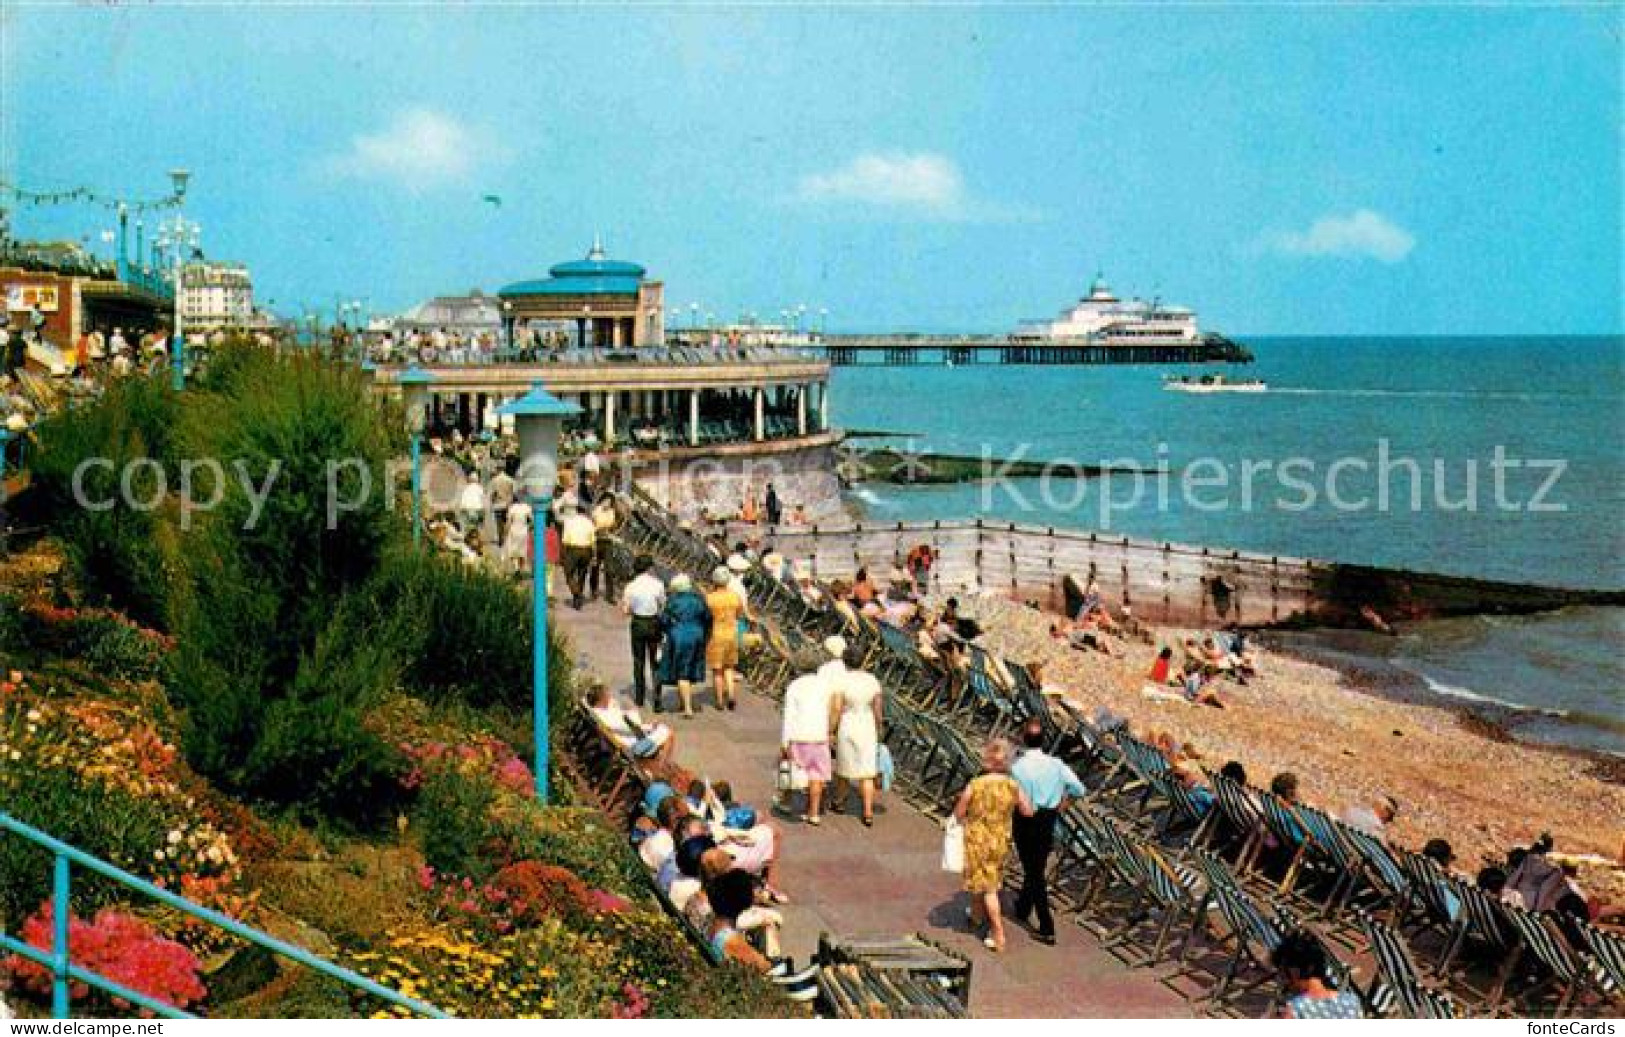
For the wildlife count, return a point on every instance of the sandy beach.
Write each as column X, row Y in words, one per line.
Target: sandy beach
column 1348, row 745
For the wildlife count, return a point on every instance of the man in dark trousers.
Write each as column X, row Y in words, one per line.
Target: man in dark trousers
column 643, row 600
column 1049, row 783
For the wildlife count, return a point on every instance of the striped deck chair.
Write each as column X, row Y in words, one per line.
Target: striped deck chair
column 989, row 705
column 1485, row 925
column 1331, row 851
column 1608, row 951
column 1380, row 871
column 1080, row 867
column 1397, row 988
column 1240, row 811
column 1434, row 907
column 912, row 746
column 1183, row 814
column 1570, row 971
column 1179, row 893
column 1254, row 934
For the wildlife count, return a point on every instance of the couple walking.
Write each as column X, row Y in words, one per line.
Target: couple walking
column 840, row 705
column 679, row 634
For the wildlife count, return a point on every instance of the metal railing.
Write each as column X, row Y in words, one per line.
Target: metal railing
column 64, row 971
column 657, row 356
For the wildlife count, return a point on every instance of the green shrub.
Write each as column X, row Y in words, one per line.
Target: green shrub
column 124, row 557
column 121, row 829
column 453, row 820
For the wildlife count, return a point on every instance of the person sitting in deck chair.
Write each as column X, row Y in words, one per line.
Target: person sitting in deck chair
column 628, row 728
column 1304, row 969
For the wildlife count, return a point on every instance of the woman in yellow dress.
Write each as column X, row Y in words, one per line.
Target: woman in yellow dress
column 987, row 810
column 722, row 647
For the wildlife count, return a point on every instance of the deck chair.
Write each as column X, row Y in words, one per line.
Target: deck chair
column 1570, row 971
column 1608, row 952
column 1241, row 814
column 1254, row 935
column 1397, row 988
column 1485, row 926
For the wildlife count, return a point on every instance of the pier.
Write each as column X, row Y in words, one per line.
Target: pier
column 906, row 349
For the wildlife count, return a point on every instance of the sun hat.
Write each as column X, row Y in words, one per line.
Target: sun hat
column 721, row 575
column 738, row 564
column 835, row 645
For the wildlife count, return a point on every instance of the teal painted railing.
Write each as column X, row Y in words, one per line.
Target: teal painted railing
column 64, row 971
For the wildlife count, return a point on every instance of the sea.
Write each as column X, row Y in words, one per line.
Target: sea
column 1496, row 457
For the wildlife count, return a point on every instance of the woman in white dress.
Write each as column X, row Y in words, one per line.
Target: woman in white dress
column 856, row 710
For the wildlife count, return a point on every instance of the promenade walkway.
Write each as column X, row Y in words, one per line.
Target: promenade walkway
column 848, row 880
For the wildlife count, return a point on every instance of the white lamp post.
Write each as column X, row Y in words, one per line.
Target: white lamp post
column 538, row 417
column 414, row 383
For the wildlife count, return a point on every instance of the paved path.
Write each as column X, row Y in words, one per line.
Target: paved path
column 848, row 880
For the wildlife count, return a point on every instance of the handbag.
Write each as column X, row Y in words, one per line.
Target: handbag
column 790, row 777
column 953, row 846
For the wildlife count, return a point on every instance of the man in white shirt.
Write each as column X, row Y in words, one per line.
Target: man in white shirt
column 643, row 600
column 471, row 504
column 804, row 737
column 502, row 492
column 577, row 535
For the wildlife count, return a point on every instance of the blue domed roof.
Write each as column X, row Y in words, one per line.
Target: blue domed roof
column 595, row 275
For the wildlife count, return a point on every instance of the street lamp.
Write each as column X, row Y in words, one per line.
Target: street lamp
column 693, row 316
column 414, row 383
column 507, row 327
column 538, row 417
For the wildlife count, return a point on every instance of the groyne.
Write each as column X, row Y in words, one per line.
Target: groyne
column 1163, row 582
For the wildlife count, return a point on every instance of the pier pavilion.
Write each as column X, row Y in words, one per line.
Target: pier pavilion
column 610, row 301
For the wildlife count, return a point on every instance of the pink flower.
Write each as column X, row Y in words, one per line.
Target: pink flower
column 425, row 877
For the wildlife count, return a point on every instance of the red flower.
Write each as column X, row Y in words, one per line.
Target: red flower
column 118, row 947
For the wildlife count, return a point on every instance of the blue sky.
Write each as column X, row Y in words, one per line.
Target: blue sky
column 1311, row 169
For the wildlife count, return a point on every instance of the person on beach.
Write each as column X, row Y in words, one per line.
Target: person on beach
column 1049, row 784
column 722, row 649
column 1163, row 672
column 642, row 602
column 986, row 808
column 863, row 588
column 1301, row 960
column 1373, row 820
column 685, row 624
column 804, row 737
column 857, row 710
column 772, row 507
column 920, row 559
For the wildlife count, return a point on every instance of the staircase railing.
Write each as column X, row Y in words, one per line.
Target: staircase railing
column 64, row 971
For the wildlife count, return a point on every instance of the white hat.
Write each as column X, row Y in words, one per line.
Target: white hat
column 720, row 576
column 738, row 564
column 835, row 645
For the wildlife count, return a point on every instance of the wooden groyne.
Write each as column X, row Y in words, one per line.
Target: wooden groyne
column 1163, row 582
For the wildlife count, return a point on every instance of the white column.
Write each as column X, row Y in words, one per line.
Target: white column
column 823, row 406
column 801, row 408
column 609, row 417
column 758, row 394
column 694, row 417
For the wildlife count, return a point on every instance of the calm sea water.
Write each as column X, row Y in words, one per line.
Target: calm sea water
column 1505, row 459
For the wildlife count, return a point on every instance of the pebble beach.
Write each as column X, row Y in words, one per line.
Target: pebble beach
column 1349, row 746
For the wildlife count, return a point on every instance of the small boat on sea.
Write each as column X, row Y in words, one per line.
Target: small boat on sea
column 1211, row 383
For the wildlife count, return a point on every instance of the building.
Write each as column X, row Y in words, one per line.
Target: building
column 473, row 314
column 1102, row 316
column 216, row 295
column 610, row 302
column 73, row 292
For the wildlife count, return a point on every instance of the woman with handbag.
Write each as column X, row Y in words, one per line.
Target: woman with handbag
column 987, row 809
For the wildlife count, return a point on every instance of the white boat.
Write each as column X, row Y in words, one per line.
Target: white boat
column 1211, row 383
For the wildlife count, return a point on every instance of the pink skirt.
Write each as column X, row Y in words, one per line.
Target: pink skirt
column 812, row 757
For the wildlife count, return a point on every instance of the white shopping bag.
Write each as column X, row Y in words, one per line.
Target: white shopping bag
column 953, row 846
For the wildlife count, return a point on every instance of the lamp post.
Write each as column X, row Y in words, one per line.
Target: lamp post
column 414, row 383
column 507, row 328
column 538, row 417
column 182, row 232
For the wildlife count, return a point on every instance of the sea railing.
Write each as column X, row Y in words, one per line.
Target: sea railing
column 64, row 972
column 663, row 356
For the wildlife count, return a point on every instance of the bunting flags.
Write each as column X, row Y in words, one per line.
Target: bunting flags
column 88, row 197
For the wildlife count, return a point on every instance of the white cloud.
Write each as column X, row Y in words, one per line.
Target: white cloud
column 418, row 148
column 1362, row 234
column 922, row 184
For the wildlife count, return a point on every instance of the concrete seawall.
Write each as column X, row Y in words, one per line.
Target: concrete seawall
column 1165, row 583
